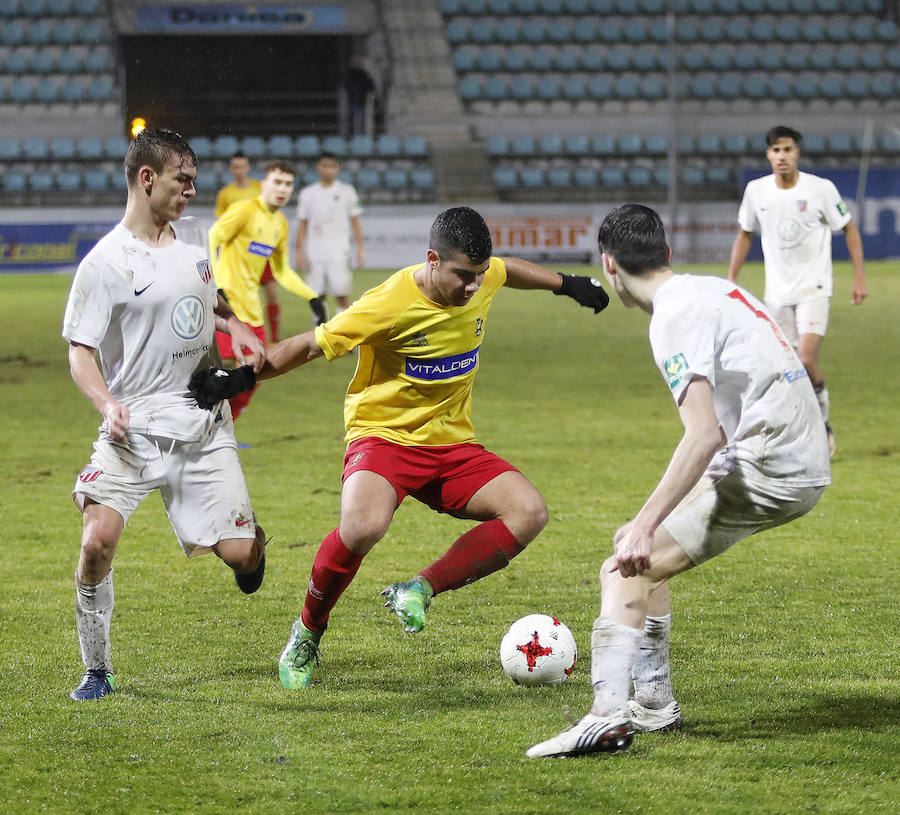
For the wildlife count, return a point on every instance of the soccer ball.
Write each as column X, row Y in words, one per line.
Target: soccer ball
column 538, row 650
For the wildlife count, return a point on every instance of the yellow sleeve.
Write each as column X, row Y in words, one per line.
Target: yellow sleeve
column 225, row 229
column 368, row 320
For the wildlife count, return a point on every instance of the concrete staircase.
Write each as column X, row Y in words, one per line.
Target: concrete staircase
column 423, row 100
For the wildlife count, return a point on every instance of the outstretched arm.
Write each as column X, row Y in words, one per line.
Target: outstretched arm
column 739, row 249
column 290, row 353
column 702, row 438
column 859, row 291
column 242, row 336
column 586, row 291
column 86, row 374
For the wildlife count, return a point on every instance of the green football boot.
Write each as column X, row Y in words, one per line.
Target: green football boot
column 410, row 601
column 299, row 657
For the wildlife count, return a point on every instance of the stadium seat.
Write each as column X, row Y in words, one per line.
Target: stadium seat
column 62, row 148
column 719, row 175
column 39, row 33
column 837, row 30
column 521, row 88
column 86, row 8
column 568, row 59
column 559, row 176
column 14, row 181
column 709, row 144
column 396, row 178
column 93, row 32
column 89, row 148
column 21, row 91
column 780, row 87
column 496, row 89
column 73, row 91
column 693, row 176
column 644, row 60
column 612, row 177
column 626, row 87
column 47, row 91
column 883, row 86
column 72, row 61
column 576, row 145
column 68, row 181
column 694, row 59
column 13, row 33
column 550, row 145
column 64, row 32
column 746, row 59
column 508, row 31
column 414, row 146
column 114, row 148
column 618, row 59
column 100, row 89
column 96, row 180
column 890, row 142
column 729, row 86
column 703, row 86
column 506, row 177
column 497, row 145
column 465, row 59
column 547, row 88
column 857, row 86
column 336, row 145
column 586, row 176
column 806, row 86
column 842, row 143
column 253, row 146
column 450, row 7
column 280, row 146
column 600, row 88
column 44, row 61
column 490, row 59
column 225, row 146
column 469, row 88
column 687, row 144
column 541, row 59
column 500, row 7
column 610, row 31
column 40, row 181
column 59, row 8
column 656, row 144
column 813, row 143
column 872, row 59
column 368, row 178
column 457, row 31
column 515, row 59
column 523, row 144
column 422, row 178
column 532, row 176
column 307, row 147
column 593, row 58
column 847, row 58
column 661, row 175
column 17, row 62
column 10, row 8
column 886, row 31
column 630, row 144
column 813, row 30
column 208, row 180
column 574, row 88
column 734, row 144
column 9, row 149
column 603, row 144
column 361, row 146
column 202, row 147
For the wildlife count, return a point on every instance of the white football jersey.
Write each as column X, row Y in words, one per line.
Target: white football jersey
column 707, row 326
column 149, row 312
column 327, row 212
column 795, row 228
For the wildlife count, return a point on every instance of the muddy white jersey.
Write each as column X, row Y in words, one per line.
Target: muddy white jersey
column 763, row 399
column 327, row 212
column 149, row 312
column 795, row 227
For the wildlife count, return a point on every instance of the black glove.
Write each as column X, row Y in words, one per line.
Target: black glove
column 585, row 291
column 318, row 309
column 211, row 386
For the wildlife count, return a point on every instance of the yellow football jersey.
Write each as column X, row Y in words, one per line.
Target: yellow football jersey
column 232, row 193
column 417, row 360
column 249, row 234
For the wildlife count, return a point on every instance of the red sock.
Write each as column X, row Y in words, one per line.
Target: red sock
column 239, row 402
column 334, row 568
column 273, row 310
column 486, row 548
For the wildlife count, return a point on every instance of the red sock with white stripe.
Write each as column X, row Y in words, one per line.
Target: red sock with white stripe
column 334, row 568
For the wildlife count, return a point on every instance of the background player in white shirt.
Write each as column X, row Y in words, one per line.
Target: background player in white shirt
column 753, row 456
column 326, row 211
column 795, row 214
column 145, row 298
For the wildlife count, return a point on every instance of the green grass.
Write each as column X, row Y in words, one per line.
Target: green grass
column 784, row 650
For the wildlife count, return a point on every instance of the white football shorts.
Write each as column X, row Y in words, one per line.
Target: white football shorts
column 330, row 277
column 718, row 512
column 201, row 483
column 809, row 317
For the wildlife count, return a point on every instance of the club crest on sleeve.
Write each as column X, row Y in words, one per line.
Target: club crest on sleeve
column 89, row 473
column 204, row 270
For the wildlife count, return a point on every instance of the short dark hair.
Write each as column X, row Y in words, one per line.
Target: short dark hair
column 461, row 230
column 634, row 235
column 155, row 147
column 238, row 154
column 329, row 156
column 782, row 132
column 282, row 165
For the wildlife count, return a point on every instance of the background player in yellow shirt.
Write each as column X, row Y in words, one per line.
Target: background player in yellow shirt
column 243, row 188
column 248, row 236
column 409, row 426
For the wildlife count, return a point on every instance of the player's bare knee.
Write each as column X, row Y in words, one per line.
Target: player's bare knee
column 360, row 533
column 530, row 517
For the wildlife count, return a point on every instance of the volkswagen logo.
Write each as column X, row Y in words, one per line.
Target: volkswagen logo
column 187, row 317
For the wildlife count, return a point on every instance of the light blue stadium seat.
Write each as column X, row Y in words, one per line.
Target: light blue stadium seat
column 890, row 142
column 871, row 58
column 644, row 59
column 532, row 176
column 65, row 32
column 653, row 87
column 737, row 30
column 600, row 88
column 788, row 30
column 21, row 91
column 753, row 7
column 886, row 31
column 796, row 59
column 534, row 30
column 89, row 148
column 712, row 30
column 780, row 86
column 115, row 147
column 368, row 178
column 414, row 146
column 842, row 143
column 847, row 58
column 694, row 59
column 746, row 58
column 837, row 31
column 630, row 144
column 500, row 7
column 729, row 86
column 806, row 86
column 821, row 59
column 490, row 59
column 422, row 178
column 755, row 86
column 469, row 88
column 496, row 88
column 627, row 87
column 40, row 181
column 804, row 6
column 587, row 30
column 576, row 144
column 586, row 177
column 96, row 180
column 17, row 62
column 225, row 146
column 550, row 145
column 603, row 144
column 721, row 58
column 506, row 177
column 541, row 59
column 559, row 176
column 652, row 7
column 686, row 30
column 883, row 86
column 508, row 31
column 13, row 33
column 202, row 147
column 475, row 7
column 709, row 143
column 618, row 59
column 10, row 8
column 559, row 30
column 593, row 58
column 450, row 7
column 813, row 143
column 687, row 144
column 307, row 147
column 361, row 146
column 86, row 8
column 762, row 30
column 253, row 146
column 813, row 30
column 552, row 6
column 62, row 148
column 612, row 177
column 661, row 175
column 336, row 145
column 47, row 91
column 703, row 86
column 68, row 181
column 862, row 29
column 9, row 149
column 719, row 175
column 757, row 143
column 523, row 144
column 521, row 88
column 635, row 31
column 574, row 88
column 59, row 8
column 734, row 144
column 310, row 176
column 14, row 181
column 609, row 30
column 568, row 59
column 577, row 7
column 515, row 59
column 72, row 61
column 457, row 31
column 39, row 33
column 483, row 31
column 857, row 85
column 45, row 60
column 526, row 6
column 100, row 89
column 693, row 176
column 656, row 144
column 280, row 146
column 465, row 59
column 547, row 88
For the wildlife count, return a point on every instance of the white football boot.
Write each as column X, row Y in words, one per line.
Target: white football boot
column 647, row 720
column 591, row 734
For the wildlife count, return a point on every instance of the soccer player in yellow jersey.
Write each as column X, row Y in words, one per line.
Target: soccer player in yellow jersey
column 250, row 235
column 242, row 188
column 409, row 426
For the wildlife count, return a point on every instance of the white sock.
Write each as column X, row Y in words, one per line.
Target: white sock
column 824, row 402
column 652, row 674
column 614, row 650
column 93, row 613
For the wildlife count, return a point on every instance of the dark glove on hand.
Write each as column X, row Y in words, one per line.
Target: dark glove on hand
column 212, row 385
column 585, row 291
column 318, row 309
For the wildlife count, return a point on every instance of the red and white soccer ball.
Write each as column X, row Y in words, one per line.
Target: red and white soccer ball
column 538, row 650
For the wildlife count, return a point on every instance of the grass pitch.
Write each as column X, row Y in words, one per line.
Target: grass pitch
column 784, row 650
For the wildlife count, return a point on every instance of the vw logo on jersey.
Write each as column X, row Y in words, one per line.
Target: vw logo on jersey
column 187, row 317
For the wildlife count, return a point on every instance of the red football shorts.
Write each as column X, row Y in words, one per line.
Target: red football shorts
column 224, row 340
column 267, row 276
column 443, row 477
